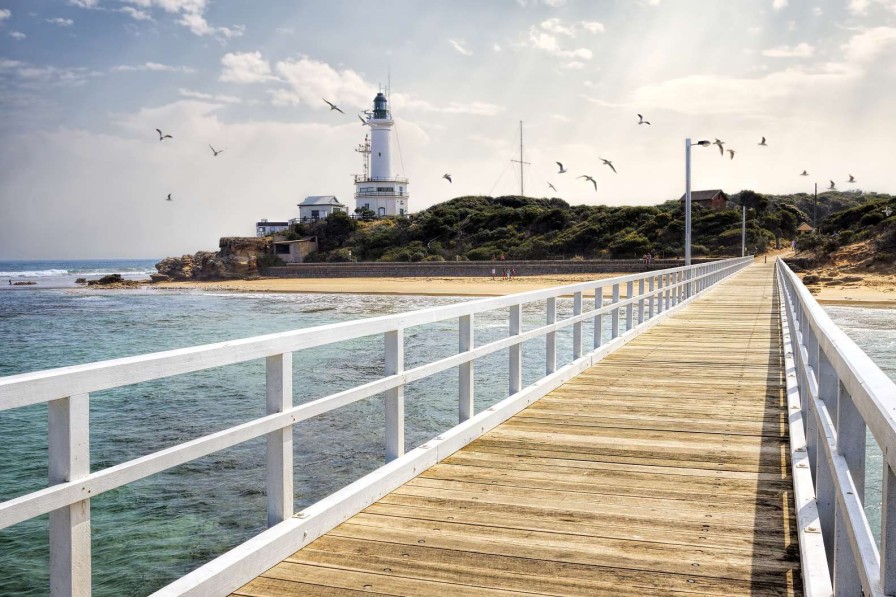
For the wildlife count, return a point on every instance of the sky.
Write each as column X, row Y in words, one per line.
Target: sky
column 85, row 83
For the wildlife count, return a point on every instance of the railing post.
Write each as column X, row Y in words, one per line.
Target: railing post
column 278, row 370
column 394, row 342
column 516, row 351
column 668, row 293
column 598, row 319
column 577, row 326
column 888, row 531
column 851, row 439
column 650, row 300
column 465, row 371
column 630, row 308
column 641, row 301
column 828, row 388
column 659, row 294
column 68, row 441
column 614, row 316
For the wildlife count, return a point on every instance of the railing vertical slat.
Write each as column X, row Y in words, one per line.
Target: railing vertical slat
column 598, row 319
column 550, row 364
column 847, row 582
column 630, row 308
column 851, row 439
column 577, row 326
column 278, row 370
column 465, row 371
column 651, row 300
column 614, row 317
column 68, row 430
column 516, row 351
column 394, row 342
column 641, row 301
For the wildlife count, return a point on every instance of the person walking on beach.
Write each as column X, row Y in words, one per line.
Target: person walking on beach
column 493, row 273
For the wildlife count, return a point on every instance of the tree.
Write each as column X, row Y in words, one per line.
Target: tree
column 752, row 200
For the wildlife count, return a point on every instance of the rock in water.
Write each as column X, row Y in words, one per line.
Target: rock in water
column 237, row 258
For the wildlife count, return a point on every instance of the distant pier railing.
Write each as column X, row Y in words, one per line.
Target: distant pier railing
column 650, row 297
column 835, row 395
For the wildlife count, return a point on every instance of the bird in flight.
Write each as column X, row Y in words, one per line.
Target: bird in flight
column 169, row 197
column 586, row 177
column 763, row 143
column 641, row 120
column 553, row 188
column 719, row 142
column 610, row 164
column 731, row 151
column 363, row 122
column 832, row 187
column 448, row 177
column 163, row 137
column 804, row 173
column 333, row 106
column 215, row 151
column 562, row 169
column 851, row 178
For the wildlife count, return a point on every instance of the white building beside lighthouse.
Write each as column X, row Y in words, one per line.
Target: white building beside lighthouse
column 379, row 189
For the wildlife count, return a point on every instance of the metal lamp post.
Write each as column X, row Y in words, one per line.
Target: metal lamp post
column 687, row 196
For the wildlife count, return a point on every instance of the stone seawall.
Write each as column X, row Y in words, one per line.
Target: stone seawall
column 467, row 269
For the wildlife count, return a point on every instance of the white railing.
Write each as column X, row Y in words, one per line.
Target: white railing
column 66, row 390
column 836, row 394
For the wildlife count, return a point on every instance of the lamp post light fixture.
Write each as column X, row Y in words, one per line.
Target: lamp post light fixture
column 687, row 195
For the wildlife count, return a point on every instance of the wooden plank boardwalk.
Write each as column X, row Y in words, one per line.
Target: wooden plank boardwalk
column 663, row 470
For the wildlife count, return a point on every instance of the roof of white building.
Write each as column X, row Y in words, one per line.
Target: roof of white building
column 320, row 200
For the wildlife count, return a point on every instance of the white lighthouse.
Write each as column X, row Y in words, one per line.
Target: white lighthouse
column 379, row 189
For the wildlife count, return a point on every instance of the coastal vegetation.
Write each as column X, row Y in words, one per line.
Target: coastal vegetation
column 481, row 228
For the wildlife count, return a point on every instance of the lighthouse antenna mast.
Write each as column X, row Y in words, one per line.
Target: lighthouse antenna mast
column 520, row 161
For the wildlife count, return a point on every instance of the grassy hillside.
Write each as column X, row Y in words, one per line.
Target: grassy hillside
column 483, row 228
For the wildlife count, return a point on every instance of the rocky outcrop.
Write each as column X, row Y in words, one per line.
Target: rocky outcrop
column 237, row 258
column 113, row 281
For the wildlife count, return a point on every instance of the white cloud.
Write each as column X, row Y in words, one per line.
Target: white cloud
column 17, row 35
column 192, row 17
column 245, row 67
column 404, row 102
column 593, row 26
column 459, row 46
column 137, row 15
column 496, row 47
column 779, row 4
column 561, row 118
column 4, row 14
column 802, row 50
column 555, row 3
column 860, row 7
column 84, row 3
column 153, row 67
column 310, row 80
column 574, row 65
column 548, row 43
column 866, row 46
column 61, row 22
column 817, row 11
column 557, row 27
column 226, row 99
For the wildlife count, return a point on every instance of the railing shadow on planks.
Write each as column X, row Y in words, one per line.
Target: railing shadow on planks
column 67, row 391
column 835, row 394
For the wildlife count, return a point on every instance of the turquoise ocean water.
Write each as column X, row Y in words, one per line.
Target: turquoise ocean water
column 153, row 531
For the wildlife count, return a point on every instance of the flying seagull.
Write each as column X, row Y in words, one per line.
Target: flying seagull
column 586, row 177
column 333, row 106
column 610, row 164
column 553, row 188
column 641, row 120
column 562, row 169
column 364, row 122
column 804, row 173
column 169, row 197
column 163, row 137
column 851, row 178
column 832, row 187
column 215, row 151
column 448, row 176
column 719, row 142
column 731, row 151
column 763, row 143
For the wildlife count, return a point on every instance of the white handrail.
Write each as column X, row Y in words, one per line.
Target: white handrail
column 66, row 391
column 838, row 393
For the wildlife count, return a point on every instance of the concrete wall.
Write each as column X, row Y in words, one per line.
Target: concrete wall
column 467, row 269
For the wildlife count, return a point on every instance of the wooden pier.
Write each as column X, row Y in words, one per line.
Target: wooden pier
column 663, row 469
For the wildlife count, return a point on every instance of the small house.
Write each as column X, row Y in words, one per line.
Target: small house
column 263, row 227
column 805, row 229
column 714, row 199
column 295, row 251
column 317, row 207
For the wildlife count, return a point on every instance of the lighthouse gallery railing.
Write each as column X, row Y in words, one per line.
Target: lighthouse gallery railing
column 67, row 391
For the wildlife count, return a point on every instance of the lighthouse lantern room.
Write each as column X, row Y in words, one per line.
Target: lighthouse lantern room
column 379, row 189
